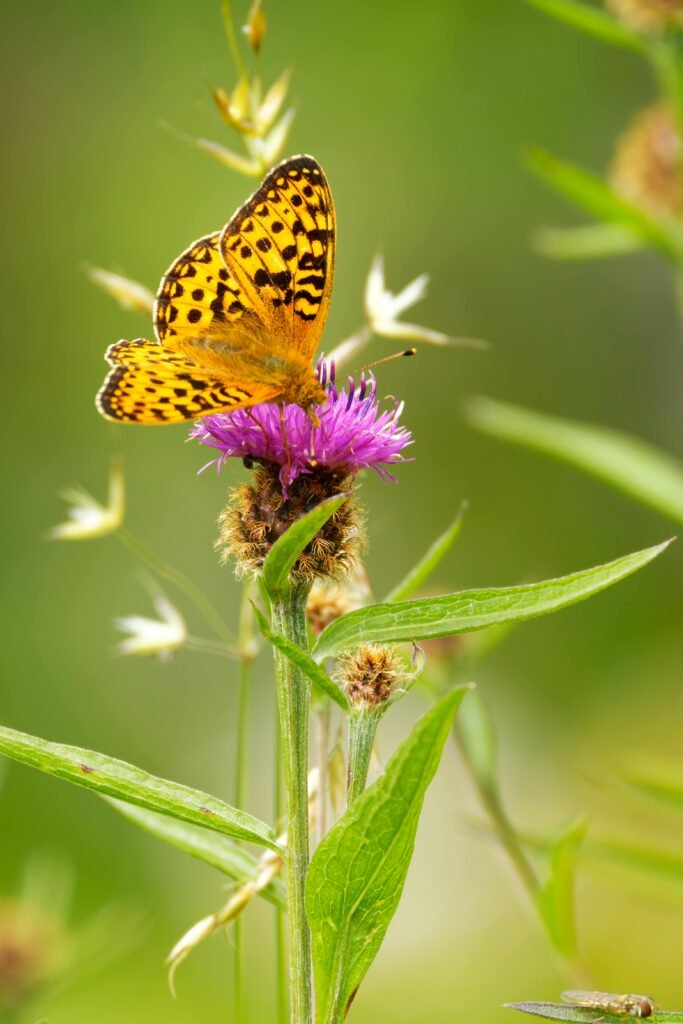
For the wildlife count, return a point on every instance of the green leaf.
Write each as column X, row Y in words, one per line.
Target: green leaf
column 287, row 548
column 643, row 472
column 593, row 22
column 218, row 851
column 357, row 873
column 668, row 791
column 303, row 660
column 556, row 898
column 429, row 561
column 583, row 1015
column 477, row 735
column 472, row 609
column 125, row 782
column 663, row 865
column 596, row 197
column 587, row 242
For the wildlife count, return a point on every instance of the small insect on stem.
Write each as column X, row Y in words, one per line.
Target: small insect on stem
column 617, row 1005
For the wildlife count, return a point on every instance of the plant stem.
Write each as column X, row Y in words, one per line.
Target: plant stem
column 501, row 824
column 362, row 730
column 181, row 581
column 293, row 694
column 247, row 652
column 280, row 931
column 322, row 719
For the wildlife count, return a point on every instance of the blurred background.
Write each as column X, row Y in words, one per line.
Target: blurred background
column 419, row 114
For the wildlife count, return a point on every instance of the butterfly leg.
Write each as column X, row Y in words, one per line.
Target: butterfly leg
column 284, row 437
column 315, row 422
column 261, row 428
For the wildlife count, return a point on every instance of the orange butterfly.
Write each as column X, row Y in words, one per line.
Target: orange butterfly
column 239, row 314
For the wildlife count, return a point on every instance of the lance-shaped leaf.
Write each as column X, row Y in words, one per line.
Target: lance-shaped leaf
column 218, row 851
column 585, row 1015
column 643, row 472
column 594, row 22
column 470, row 610
column 596, row 197
column 431, row 559
column 357, row 873
column 287, row 548
column 303, row 660
column 122, row 781
column 587, row 242
column 668, row 790
column 556, row 897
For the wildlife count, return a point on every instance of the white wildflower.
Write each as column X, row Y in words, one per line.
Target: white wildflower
column 159, row 636
column 87, row 517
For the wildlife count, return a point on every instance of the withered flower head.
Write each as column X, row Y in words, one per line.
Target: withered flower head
column 258, row 513
column 327, row 601
column 30, row 950
column 650, row 16
column 370, row 675
column 646, row 169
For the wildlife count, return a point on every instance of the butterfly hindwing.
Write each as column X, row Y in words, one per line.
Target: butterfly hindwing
column 279, row 248
column 150, row 384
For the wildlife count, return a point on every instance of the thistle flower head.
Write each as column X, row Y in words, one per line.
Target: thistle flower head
column 647, row 166
column 30, row 953
column 351, row 433
column 650, row 16
column 327, row 601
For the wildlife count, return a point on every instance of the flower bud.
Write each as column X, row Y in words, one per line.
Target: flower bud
column 646, row 169
column 255, row 27
column 370, row 675
column 650, row 16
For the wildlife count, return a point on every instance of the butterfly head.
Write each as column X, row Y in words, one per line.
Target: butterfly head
column 306, row 391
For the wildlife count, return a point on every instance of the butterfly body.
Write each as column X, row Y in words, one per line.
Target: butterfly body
column 239, row 314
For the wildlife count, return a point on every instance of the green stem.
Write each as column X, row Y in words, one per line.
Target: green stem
column 181, row 581
column 280, row 930
column 322, row 721
column 362, row 730
column 501, row 825
column 232, row 39
column 678, row 287
column 293, row 694
column 246, row 653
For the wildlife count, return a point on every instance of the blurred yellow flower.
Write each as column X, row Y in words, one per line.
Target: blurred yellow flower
column 128, row 293
column 87, row 517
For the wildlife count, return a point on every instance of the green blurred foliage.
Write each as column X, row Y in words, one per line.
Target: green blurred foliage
column 419, row 114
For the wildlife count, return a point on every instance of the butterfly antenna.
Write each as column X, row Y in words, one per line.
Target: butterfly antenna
column 386, row 359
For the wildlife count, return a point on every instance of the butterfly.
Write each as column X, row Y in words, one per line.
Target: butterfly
column 239, row 315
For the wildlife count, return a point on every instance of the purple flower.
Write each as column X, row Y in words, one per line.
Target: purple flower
column 352, row 433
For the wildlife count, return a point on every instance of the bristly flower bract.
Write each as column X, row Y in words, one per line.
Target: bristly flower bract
column 299, row 460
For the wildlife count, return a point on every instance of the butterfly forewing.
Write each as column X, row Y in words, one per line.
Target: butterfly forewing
column 239, row 314
column 197, row 295
column 279, row 247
